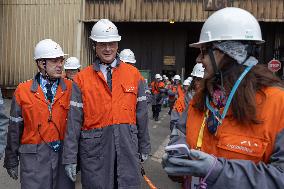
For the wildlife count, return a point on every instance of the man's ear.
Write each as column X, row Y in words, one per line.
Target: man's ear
column 40, row 64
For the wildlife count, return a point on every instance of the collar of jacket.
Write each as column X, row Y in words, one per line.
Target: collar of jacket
column 35, row 83
column 96, row 64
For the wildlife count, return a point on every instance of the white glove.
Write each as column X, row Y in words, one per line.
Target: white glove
column 13, row 172
column 70, row 170
column 144, row 157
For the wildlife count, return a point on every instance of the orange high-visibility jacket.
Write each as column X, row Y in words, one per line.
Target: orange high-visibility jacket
column 34, row 112
column 238, row 141
column 180, row 104
column 156, row 86
column 109, row 108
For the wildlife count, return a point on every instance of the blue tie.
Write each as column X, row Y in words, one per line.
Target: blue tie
column 49, row 95
column 109, row 77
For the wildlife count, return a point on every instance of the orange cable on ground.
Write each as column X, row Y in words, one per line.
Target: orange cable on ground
column 148, row 181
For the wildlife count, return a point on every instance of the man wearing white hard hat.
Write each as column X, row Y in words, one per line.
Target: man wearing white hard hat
column 72, row 67
column 127, row 56
column 38, row 121
column 157, row 88
column 108, row 118
column 174, row 92
column 235, row 123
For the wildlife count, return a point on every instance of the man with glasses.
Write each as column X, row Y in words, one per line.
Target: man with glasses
column 108, row 119
column 235, row 122
column 38, row 120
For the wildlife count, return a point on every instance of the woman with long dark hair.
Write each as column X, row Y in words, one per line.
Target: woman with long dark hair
column 235, row 122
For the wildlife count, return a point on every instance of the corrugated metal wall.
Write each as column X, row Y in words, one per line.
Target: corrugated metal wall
column 179, row 10
column 23, row 23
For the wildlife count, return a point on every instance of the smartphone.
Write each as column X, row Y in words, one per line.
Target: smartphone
column 178, row 151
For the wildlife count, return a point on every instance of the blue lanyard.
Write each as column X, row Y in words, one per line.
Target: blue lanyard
column 235, row 87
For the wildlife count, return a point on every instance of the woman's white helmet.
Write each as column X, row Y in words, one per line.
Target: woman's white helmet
column 72, row 63
column 104, row 31
column 127, row 55
column 230, row 24
column 198, row 70
column 47, row 48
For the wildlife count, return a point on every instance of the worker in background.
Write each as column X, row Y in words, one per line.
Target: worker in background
column 174, row 92
column 190, row 86
column 127, row 56
column 108, row 118
column 4, row 121
column 72, row 67
column 157, row 89
column 38, row 121
column 235, row 122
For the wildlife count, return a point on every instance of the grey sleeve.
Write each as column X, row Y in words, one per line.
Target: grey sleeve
column 15, row 130
column 74, row 124
column 4, row 121
column 246, row 174
column 142, row 120
column 175, row 116
column 181, row 125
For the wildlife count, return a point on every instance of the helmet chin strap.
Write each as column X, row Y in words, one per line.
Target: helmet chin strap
column 45, row 74
column 217, row 73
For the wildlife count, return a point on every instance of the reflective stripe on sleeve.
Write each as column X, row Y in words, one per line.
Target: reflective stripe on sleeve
column 1, row 101
column 16, row 119
column 141, row 98
column 76, row 104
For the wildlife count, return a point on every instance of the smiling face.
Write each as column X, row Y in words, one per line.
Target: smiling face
column 205, row 60
column 106, row 51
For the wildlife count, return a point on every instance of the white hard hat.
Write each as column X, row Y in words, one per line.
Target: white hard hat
column 158, row 76
column 104, row 31
column 164, row 76
column 48, row 48
column 230, row 24
column 186, row 82
column 72, row 63
column 189, row 79
column 127, row 55
column 198, row 70
column 177, row 77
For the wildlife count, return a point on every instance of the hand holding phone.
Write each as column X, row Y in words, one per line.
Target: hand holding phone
column 178, row 151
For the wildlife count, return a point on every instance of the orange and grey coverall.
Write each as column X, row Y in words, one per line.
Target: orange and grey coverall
column 30, row 134
column 108, row 129
column 251, row 155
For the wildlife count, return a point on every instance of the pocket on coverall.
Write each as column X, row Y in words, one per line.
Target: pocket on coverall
column 90, row 143
column 28, row 157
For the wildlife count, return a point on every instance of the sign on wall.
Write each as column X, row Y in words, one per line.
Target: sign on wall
column 169, row 60
column 274, row 65
column 213, row 5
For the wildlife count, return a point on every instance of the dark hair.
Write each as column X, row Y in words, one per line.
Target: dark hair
column 243, row 105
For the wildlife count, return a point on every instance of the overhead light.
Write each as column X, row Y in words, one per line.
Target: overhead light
column 172, row 21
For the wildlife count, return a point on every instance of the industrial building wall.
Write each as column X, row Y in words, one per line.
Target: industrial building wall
column 178, row 10
column 23, row 23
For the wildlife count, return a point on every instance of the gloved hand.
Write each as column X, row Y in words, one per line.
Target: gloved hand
column 165, row 163
column 144, row 157
column 13, row 172
column 70, row 170
column 198, row 166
